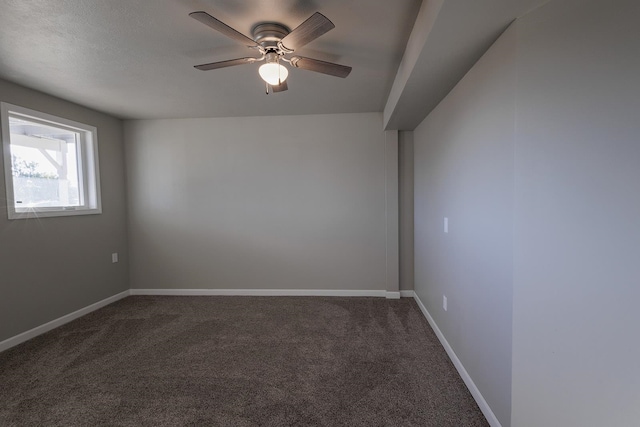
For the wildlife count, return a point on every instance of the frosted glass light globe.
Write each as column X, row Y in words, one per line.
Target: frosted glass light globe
column 273, row 73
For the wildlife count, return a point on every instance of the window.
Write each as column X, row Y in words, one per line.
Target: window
column 50, row 164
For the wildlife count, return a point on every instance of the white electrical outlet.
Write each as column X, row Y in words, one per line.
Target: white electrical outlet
column 114, row 257
column 446, row 224
column 444, row 302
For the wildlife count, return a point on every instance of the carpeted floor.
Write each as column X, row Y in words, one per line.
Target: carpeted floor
column 237, row 361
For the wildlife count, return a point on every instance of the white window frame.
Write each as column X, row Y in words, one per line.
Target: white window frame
column 88, row 164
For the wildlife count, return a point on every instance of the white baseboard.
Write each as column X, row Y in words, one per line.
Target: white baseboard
column 39, row 330
column 266, row 292
column 32, row 333
column 482, row 403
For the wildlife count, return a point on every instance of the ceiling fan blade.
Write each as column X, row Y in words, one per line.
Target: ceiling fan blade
column 323, row 67
column 223, row 28
column 223, row 64
column 309, row 30
column 280, row 88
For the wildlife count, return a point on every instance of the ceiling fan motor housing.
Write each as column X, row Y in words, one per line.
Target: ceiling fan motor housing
column 268, row 34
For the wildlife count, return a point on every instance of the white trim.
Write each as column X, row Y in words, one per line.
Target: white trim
column 484, row 406
column 482, row 403
column 39, row 330
column 262, row 292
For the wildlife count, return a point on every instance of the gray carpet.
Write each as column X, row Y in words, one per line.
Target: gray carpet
column 237, row 361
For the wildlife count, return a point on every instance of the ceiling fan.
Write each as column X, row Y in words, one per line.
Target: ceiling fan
column 275, row 42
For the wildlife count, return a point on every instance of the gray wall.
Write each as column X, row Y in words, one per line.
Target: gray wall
column 464, row 171
column 534, row 158
column 293, row 202
column 577, row 231
column 53, row 266
column 405, row 206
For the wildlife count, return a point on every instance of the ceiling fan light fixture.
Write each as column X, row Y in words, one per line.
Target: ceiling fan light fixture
column 275, row 41
column 272, row 71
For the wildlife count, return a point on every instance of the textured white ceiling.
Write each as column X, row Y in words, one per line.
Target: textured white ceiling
column 449, row 36
column 134, row 58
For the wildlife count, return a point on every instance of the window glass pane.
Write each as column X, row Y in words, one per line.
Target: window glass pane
column 52, row 164
column 44, row 163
